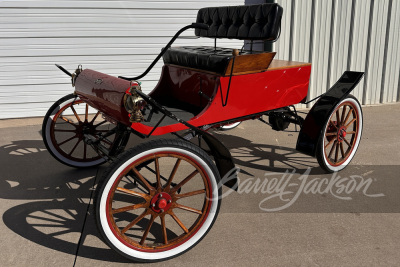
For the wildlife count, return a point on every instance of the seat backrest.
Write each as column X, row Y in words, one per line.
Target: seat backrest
column 251, row 22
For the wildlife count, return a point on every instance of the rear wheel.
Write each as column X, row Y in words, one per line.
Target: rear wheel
column 64, row 127
column 341, row 136
column 158, row 200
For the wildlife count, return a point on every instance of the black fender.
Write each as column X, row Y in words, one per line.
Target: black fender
column 314, row 123
column 223, row 160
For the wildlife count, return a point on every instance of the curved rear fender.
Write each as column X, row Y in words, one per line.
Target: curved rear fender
column 223, row 160
column 313, row 125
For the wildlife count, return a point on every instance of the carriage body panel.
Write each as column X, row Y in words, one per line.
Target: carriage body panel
column 104, row 93
column 248, row 94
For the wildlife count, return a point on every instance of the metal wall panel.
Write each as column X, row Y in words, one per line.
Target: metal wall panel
column 320, row 47
column 359, row 45
column 115, row 37
column 374, row 71
column 301, row 30
column 122, row 37
column 283, row 45
column 391, row 87
column 339, row 35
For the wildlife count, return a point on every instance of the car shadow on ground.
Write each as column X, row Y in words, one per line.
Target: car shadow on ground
column 57, row 196
column 55, row 200
column 266, row 157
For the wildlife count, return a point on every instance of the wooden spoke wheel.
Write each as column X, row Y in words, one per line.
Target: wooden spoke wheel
column 158, row 200
column 341, row 137
column 64, row 127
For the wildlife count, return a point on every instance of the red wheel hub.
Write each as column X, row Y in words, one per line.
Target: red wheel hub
column 341, row 134
column 161, row 202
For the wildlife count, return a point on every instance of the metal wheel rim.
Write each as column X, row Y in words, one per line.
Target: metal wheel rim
column 338, row 148
column 188, row 232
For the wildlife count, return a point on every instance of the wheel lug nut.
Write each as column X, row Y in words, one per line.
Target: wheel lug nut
column 154, row 204
column 162, row 210
column 160, row 195
column 169, row 201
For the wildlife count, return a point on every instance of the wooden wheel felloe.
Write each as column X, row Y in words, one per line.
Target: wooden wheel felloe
column 341, row 136
column 64, row 127
column 158, row 200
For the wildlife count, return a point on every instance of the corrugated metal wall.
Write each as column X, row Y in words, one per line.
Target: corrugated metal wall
column 339, row 35
column 122, row 38
column 114, row 37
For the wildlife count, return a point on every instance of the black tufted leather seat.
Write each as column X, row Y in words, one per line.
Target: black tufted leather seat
column 252, row 22
column 200, row 57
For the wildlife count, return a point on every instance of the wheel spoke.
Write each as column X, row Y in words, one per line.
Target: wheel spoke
column 86, row 112
column 135, row 221
column 95, row 117
column 183, row 207
column 343, row 113
column 178, row 161
column 64, row 131
column 347, row 142
column 100, row 123
column 178, row 221
column 142, row 179
column 342, row 149
column 331, row 122
column 338, row 117
column 348, row 116
column 131, row 207
column 76, row 145
column 330, row 134
column 68, row 120
column 153, row 217
column 330, row 142
column 189, row 194
column 76, row 114
column 350, row 123
column 164, row 229
column 184, row 181
column 157, row 166
column 65, row 141
column 337, row 152
column 351, row 132
column 133, row 193
column 334, row 145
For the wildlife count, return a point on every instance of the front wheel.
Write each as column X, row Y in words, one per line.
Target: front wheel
column 158, row 200
column 341, row 136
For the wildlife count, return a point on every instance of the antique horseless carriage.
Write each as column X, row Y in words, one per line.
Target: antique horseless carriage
column 160, row 198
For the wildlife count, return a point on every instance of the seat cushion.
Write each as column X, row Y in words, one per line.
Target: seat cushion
column 199, row 57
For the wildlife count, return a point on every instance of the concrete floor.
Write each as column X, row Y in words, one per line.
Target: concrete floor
column 44, row 204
